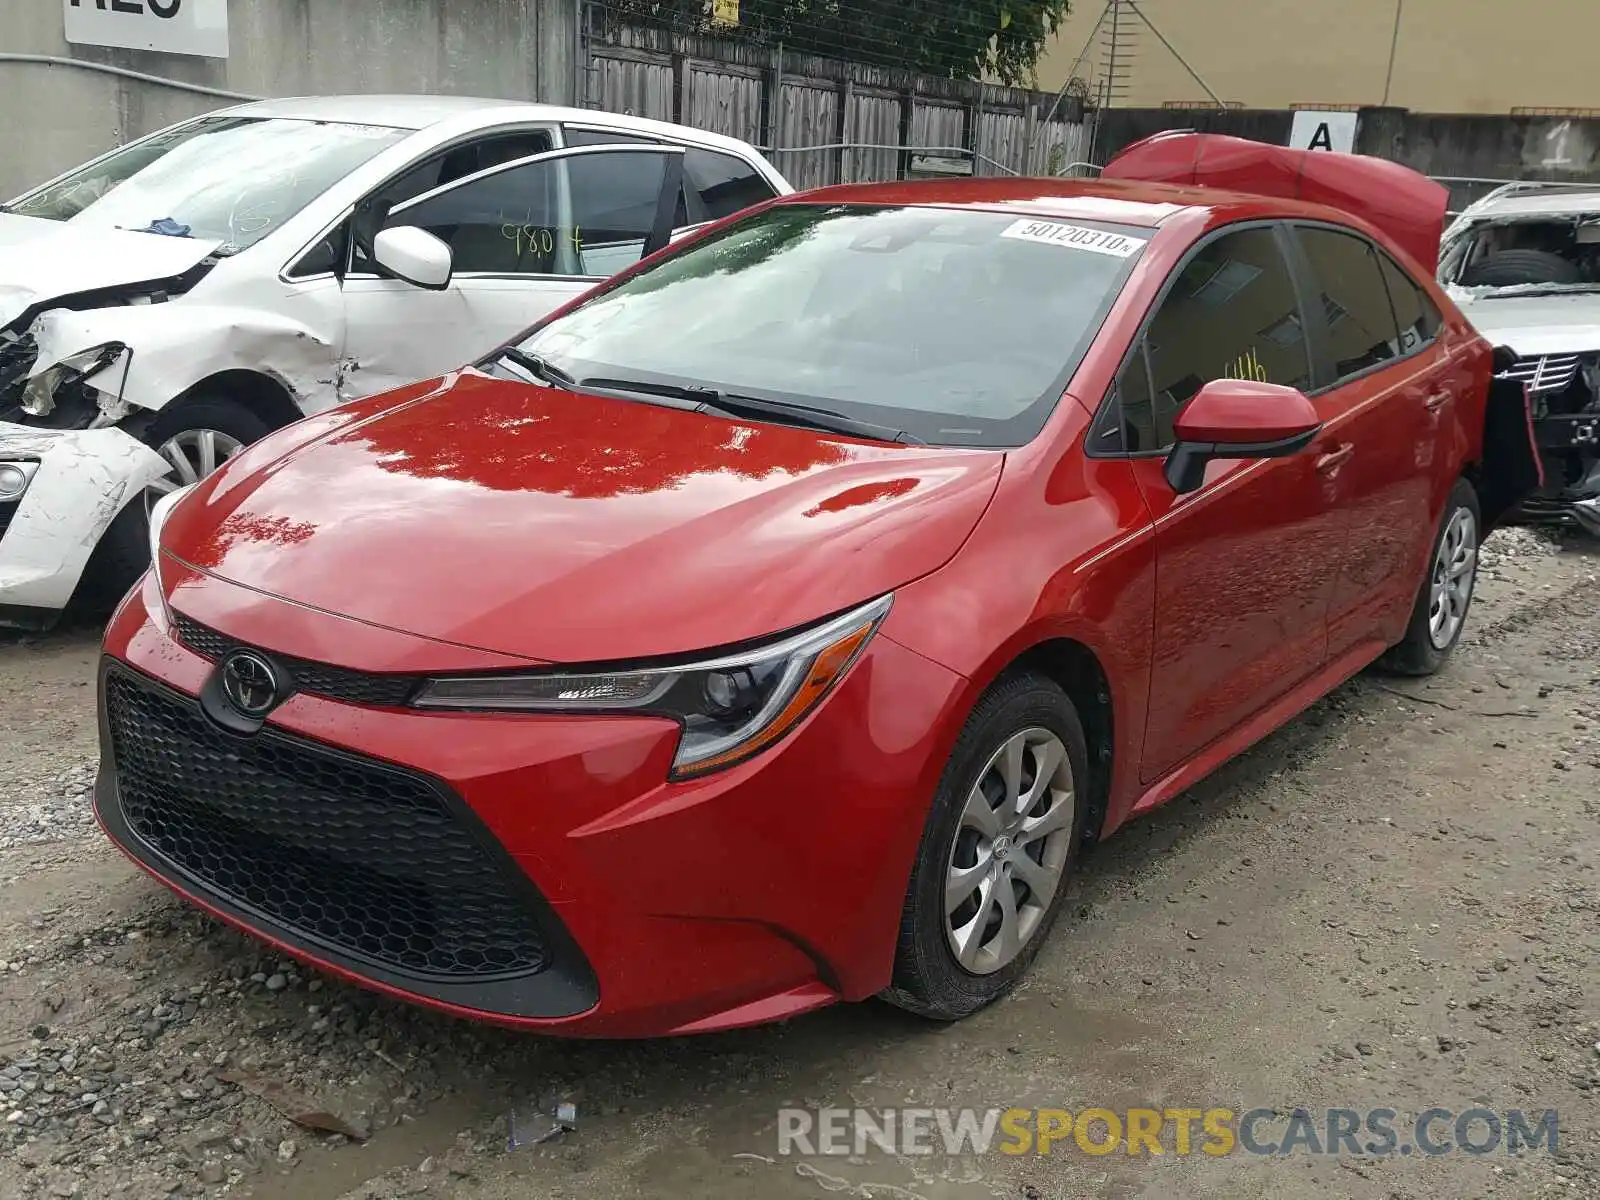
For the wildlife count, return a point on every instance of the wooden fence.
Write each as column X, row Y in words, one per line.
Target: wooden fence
column 824, row 121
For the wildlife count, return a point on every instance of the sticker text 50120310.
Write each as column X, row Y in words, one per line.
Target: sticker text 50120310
column 1075, row 237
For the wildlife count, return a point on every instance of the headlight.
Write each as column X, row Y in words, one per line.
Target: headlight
column 40, row 395
column 730, row 708
column 15, row 478
column 159, row 512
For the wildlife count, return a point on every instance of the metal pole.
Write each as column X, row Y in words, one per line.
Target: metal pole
column 1394, row 46
column 1173, row 50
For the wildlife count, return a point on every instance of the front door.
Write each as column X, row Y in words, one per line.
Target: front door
column 526, row 237
column 1243, row 565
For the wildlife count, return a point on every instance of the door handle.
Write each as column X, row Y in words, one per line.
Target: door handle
column 1438, row 400
column 1330, row 462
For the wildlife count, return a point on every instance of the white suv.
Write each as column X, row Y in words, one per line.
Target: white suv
column 1524, row 265
column 175, row 299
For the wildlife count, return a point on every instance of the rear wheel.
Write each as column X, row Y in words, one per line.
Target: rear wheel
column 999, row 842
column 1442, row 604
column 195, row 436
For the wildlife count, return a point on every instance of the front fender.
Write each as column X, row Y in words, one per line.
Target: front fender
column 85, row 479
column 179, row 344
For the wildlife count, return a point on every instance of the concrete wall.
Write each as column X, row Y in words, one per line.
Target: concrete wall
column 56, row 116
column 1472, row 56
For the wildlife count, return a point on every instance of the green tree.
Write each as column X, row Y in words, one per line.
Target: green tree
column 958, row 39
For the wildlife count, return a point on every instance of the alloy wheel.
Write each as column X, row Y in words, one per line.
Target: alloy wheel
column 1010, row 850
column 1455, row 567
column 193, row 454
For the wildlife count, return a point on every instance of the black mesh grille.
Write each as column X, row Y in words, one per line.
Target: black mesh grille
column 362, row 857
column 336, row 683
column 8, row 509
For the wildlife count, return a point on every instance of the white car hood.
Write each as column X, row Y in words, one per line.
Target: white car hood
column 41, row 260
column 1535, row 325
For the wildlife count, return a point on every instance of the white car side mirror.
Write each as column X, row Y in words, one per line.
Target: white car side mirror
column 413, row 255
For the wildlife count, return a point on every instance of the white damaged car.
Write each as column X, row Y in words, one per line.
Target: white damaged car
column 1524, row 265
column 179, row 297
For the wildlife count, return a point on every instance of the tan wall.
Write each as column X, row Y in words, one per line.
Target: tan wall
column 1453, row 56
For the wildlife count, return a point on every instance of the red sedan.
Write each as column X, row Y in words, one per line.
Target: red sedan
column 772, row 626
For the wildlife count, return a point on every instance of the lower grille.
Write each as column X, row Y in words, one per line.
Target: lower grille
column 8, row 509
column 358, row 856
column 321, row 679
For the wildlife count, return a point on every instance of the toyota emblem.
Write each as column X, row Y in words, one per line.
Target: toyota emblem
column 250, row 683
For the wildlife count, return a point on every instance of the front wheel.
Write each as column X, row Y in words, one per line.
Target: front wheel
column 1440, row 612
column 195, row 437
column 997, row 848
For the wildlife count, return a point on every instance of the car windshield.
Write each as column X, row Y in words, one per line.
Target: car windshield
column 227, row 179
column 959, row 327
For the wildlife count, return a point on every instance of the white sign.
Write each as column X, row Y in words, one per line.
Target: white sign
column 1331, row 131
column 1075, row 237
column 170, row 26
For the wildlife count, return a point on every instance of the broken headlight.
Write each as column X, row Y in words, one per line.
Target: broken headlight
column 731, row 708
column 15, row 478
column 65, row 390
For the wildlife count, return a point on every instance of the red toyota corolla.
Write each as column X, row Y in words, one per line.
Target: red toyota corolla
column 772, row 626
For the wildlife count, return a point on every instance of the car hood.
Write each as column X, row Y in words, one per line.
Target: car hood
column 44, row 260
column 1556, row 323
column 570, row 528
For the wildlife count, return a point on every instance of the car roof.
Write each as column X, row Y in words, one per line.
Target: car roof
column 415, row 113
column 1117, row 201
column 1554, row 203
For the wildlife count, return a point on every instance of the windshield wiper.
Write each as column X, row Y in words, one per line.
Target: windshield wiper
column 538, row 367
column 736, row 404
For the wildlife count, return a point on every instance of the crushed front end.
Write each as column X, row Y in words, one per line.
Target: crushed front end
column 1564, row 395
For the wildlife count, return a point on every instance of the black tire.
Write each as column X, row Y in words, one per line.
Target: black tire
column 1511, row 267
column 928, row 979
column 123, row 552
column 1418, row 653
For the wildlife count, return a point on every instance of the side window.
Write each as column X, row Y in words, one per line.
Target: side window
column 1355, row 303
column 1415, row 313
column 1232, row 313
column 614, row 199
column 572, row 136
column 449, row 165
column 726, row 184
column 517, row 223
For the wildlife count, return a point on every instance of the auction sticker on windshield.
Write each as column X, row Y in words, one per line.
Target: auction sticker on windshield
column 1077, row 237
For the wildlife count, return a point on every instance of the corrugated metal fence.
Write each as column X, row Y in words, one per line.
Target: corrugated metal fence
column 825, row 121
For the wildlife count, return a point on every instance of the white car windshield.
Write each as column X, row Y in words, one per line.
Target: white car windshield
column 957, row 326
column 227, row 179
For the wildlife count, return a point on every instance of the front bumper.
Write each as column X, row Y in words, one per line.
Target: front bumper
column 85, row 479
column 662, row 908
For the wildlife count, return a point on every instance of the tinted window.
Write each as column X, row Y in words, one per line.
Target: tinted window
column 726, row 184
column 515, row 222
column 1355, row 304
column 1415, row 313
column 450, row 165
column 603, row 137
column 1232, row 313
column 960, row 327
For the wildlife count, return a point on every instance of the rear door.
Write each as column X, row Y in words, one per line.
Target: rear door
column 526, row 237
column 1379, row 388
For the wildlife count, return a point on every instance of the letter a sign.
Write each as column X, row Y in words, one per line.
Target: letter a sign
column 1330, row 131
column 198, row 27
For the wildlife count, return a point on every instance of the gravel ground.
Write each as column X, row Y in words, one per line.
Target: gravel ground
column 1391, row 903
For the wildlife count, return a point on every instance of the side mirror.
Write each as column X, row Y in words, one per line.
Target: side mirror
column 1238, row 418
column 413, row 256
